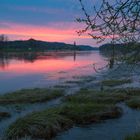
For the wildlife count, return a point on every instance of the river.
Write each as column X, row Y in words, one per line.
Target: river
column 43, row 69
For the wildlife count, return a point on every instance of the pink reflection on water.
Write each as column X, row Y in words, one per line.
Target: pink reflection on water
column 43, row 66
column 40, row 69
column 50, row 62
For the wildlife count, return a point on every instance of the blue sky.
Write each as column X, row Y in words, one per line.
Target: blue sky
column 50, row 20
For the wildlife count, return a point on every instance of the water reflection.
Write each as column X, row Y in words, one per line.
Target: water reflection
column 3, row 61
column 37, row 69
column 6, row 58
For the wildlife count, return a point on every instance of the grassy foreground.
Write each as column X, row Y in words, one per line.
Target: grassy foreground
column 81, row 108
column 43, row 124
column 30, row 96
column 84, row 107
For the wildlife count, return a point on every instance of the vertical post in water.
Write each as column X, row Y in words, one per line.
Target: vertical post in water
column 74, row 57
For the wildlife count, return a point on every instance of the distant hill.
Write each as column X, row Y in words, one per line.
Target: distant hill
column 36, row 45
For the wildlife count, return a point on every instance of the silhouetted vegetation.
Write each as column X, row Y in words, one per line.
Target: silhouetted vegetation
column 36, row 45
column 3, row 41
column 117, row 22
column 123, row 52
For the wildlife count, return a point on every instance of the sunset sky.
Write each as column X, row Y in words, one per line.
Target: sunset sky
column 49, row 20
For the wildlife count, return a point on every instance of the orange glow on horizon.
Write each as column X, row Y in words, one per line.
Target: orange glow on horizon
column 42, row 32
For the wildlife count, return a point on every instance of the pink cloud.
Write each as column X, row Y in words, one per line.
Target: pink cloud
column 67, row 31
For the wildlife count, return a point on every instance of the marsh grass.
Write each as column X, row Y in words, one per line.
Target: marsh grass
column 86, row 113
column 75, row 82
column 134, row 103
column 30, row 96
column 131, row 91
column 133, row 95
column 81, row 80
column 114, row 82
column 133, row 137
column 92, row 96
column 84, row 107
column 85, row 78
column 4, row 115
column 62, row 86
column 47, row 124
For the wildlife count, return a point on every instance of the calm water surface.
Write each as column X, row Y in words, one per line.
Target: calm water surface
column 114, row 129
column 26, row 70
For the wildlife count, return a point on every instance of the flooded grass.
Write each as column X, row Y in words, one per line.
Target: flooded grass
column 62, row 86
column 133, row 137
column 47, row 124
column 4, row 115
column 86, row 113
column 114, row 82
column 131, row 91
column 74, row 82
column 107, row 97
column 134, row 103
column 87, row 78
column 133, row 97
column 83, row 107
column 81, row 80
column 30, row 96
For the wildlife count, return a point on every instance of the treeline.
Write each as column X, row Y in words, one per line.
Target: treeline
column 123, row 48
column 35, row 45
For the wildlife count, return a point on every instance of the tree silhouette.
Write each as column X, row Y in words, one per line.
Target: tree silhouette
column 118, row 21
column 3, row 39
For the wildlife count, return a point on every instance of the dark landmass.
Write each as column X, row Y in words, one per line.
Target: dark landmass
column 130, row 53
column 109, row 47
column 36, row 45
column 123, row 48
